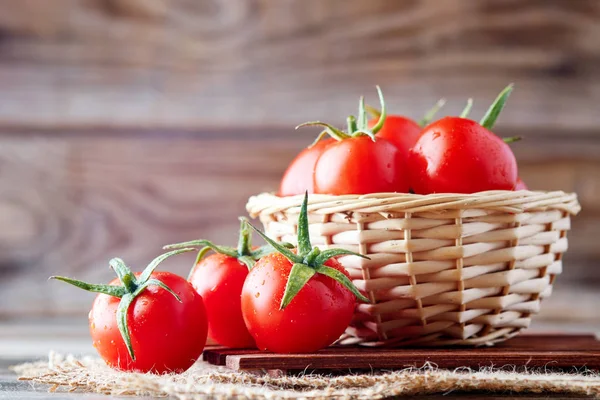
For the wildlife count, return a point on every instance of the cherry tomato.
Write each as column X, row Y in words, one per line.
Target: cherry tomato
column 298, row 177
column 166, row 335
column 520, row 185
column 317, row 316
column 403, row 132
column 162, row 327
column 219, row 278
column 358, row 166
column 457, row 155
column 356, row 162
column 400, row 131
column 298, row 301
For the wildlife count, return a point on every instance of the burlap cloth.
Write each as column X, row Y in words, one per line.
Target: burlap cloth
column 205, row 381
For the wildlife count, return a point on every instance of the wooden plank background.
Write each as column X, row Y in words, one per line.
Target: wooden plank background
column 128, row 124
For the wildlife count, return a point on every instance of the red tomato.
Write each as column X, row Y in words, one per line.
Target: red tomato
column 356, row 162
column 166, row 335
column 298, row 177
column 358, row 166
column 298, row 301
column 315, row 318
column 219, row 278
column 400, row 131
column 148, row 321
column 520, row 185
column 458, row 155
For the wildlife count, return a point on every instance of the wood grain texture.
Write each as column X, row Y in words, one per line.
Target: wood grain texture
column 196, row 63
column 71, row 201
column 128, row 124
column 525, row 351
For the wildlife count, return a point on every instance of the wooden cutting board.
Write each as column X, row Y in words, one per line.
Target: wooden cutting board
column 530, row 350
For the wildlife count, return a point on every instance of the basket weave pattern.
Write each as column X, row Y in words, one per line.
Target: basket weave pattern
column 444, row 269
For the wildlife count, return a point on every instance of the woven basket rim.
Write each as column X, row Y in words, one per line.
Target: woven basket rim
column 497, row 200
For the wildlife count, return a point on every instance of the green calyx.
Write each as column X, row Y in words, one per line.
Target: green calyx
column 491, row 115
column 309, row 261
column 130, row 289
column 355, row 126
column 243, row 252
column 430, row 114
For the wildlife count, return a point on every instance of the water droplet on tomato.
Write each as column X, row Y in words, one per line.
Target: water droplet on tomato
column 212, row 289
column 112, row 342
column 257, row 295
column 93, row 326
column 263, row 282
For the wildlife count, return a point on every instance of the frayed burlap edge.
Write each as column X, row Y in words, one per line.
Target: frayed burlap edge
column 206, row 381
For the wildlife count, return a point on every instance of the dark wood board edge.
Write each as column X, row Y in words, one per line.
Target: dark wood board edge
column 471, row 359
column 528, row 350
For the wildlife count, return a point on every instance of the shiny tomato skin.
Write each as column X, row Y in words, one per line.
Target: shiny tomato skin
column 166, row 335
column 520, row 185
column 298, row 177
column 315, row 318
column 401, row 131
column 360, row 166
column 219, row 278
column 457, row 155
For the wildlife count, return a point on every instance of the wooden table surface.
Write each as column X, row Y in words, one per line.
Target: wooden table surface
column 28, row 340
column 12, row 389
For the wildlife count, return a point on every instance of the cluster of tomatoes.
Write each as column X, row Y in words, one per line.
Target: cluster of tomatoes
column 275, row 297
column 396, row 154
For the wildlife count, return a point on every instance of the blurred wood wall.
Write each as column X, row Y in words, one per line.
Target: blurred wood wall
column 128, row 124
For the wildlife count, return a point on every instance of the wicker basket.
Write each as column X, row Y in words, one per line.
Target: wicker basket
column 444, row 269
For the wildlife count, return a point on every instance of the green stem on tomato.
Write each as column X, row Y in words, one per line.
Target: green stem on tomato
column 373, row 111
column 309, row 260
column 512, row 139
column 467, row 109
column 244, row 247
column 490, row 117
column 356, row 127
column 242, row 253
column 130, row 289
column 428, row 117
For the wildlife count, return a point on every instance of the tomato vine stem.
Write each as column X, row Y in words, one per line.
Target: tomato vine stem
column 355, row 126
column 242, row 253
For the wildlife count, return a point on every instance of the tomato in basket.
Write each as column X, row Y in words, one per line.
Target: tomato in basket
column 403, row 132
column 299, row 175
column 520, row 185
column 459, row 155
column 219, row 278
column 298, row 301
column 351, row 162
column 146, row 322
